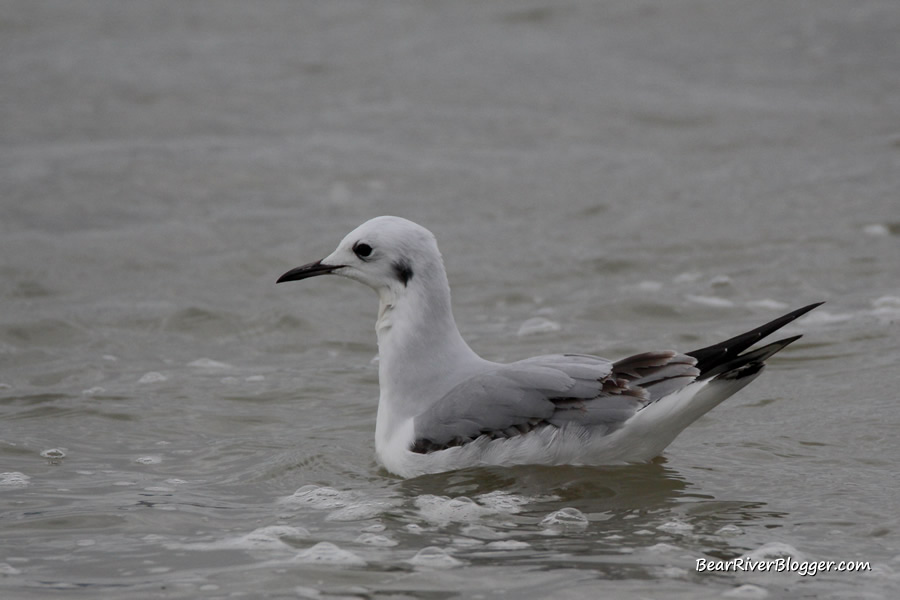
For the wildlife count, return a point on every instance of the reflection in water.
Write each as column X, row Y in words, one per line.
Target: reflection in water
column 627, row 508
column 590, row 489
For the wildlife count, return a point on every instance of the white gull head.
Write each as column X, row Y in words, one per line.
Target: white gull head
column 443, row 407
column 422, row 355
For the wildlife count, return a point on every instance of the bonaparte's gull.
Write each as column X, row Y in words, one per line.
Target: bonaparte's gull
column 443, row 407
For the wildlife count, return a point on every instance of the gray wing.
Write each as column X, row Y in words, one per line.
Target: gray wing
column 549, row 391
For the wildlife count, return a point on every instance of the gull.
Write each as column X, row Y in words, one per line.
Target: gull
column 442, row 407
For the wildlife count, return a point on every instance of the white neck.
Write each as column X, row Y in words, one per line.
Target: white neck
column 420, row 348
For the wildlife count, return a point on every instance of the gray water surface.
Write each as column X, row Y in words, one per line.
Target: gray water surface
column 601, row 177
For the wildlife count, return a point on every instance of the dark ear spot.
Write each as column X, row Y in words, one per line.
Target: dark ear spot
column 403, row 271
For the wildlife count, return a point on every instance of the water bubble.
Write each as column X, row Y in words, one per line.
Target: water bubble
column 360, row 511
column 268, row 537
column 54, row 453
column 565, row 518
column 322, row 498
column 876, row 230
column 537, row 325
column 328, row 553
column 711, row 301
column 433, row 557
column 662, row 548
column 482, row 532
column 687, row 277
column 208, row 363
column 8, row 569
column 751, row 592
column 503, row 502
column 768, row 304
column 676, row 527
column 729, row 530
column 152, row 377
column 14, row 479
column 441, row 509
column 373, row 539
column 775, row 550
column 508, row 545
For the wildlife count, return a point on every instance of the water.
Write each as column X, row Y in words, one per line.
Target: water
column 606, row 178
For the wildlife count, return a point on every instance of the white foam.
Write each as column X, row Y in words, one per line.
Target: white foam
column 503, row 502
column 775, row 550
column 646, row 286
column 662, row 548
column 823, row 317
column 876, row 230
column 712, row 301
column 360, row 511
column 565, row 518
column 768, row 304
column 148, row 460
column 373, row 539
column 322, row 498
column 441, row 509
column 8, row 569
column 152, row 377
column 264, row 538
column 329, row 554
column 466, row 542
column 676, row 527
column 886, row 307
column 208, row 363
column 482, row 532
column 729, row 530
column 433, row 557
column 887, row 302
column 537, row 325
column 748, row 591
column 687, row 277
column 508, row 545
column 54, row 453
column 671, row 572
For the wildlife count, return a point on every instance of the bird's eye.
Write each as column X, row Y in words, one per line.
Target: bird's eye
column 362, row 250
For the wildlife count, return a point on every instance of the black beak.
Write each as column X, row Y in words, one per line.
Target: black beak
column 310, row 270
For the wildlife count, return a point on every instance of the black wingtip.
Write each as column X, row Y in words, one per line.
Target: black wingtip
column 748, row 363
column 711, row 359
